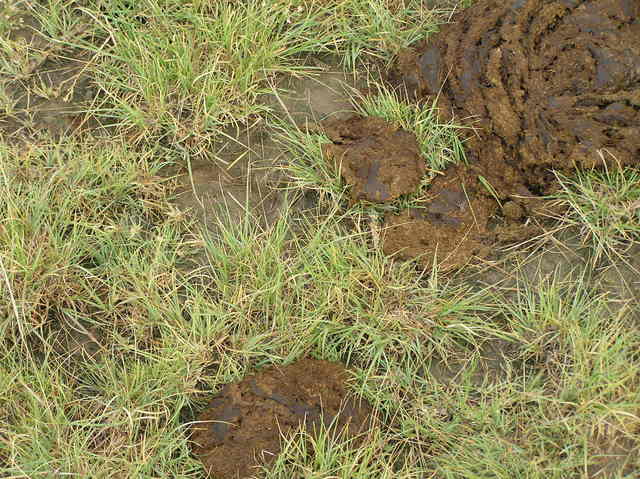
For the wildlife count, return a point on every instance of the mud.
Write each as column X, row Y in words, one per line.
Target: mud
column 320, row 96
column 242, row 427
column 242, row 176
column 378, row 161
column 48, row 92
column 246, row 169
column 548, row 85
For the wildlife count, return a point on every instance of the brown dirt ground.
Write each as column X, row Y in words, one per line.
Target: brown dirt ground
column 549, row 85
column 243, row 425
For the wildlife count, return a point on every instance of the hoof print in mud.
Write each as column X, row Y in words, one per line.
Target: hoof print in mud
column 242, row 427
column 378, row 161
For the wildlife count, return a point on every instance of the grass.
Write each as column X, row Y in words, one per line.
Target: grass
column 181, row 71
column 324, row 456
column 439, row 143
column 605, row 205
column 110, row 341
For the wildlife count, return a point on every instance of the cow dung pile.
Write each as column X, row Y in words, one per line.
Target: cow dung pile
column 545, row 85
column 242, row 427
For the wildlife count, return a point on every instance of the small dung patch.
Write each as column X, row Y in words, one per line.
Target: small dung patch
column 377, row 160
column 242, row 426
column 451, row 226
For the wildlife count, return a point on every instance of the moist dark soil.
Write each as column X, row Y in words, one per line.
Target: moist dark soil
column 547, row 85
column 379, row 162
column 243, row 425
column 52, row 94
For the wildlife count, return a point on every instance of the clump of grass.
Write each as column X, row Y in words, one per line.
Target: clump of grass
column 365, row 29
column 184, row 74
column 87, row 236
column 15, row 57
column 68, row 210
column 181, row 71
column 309, row 171
column 7, row 18
column 326, row 455
column 439, row 142
column 605, row 206
column 59, row 21
column 565, row 382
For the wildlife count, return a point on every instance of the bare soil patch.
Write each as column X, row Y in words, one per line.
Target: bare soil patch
column 313, row 98
column 242, row 177
column 53, row 93
column 243, row 425
column 245, row 172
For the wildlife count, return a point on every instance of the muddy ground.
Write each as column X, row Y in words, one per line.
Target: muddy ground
column 50, row 93
column 246, row 173
column 53, row 94
column 379, row 162
column 547, row 85
column 243, row 425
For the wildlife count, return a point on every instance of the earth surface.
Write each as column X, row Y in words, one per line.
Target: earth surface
column 51, row 95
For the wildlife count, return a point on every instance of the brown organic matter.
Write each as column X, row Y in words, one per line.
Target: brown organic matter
column 242, row 427
column 450, row 227
column 379, row 161
column 548, row 85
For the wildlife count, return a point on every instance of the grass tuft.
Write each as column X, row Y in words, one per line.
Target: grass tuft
column 605, row 206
